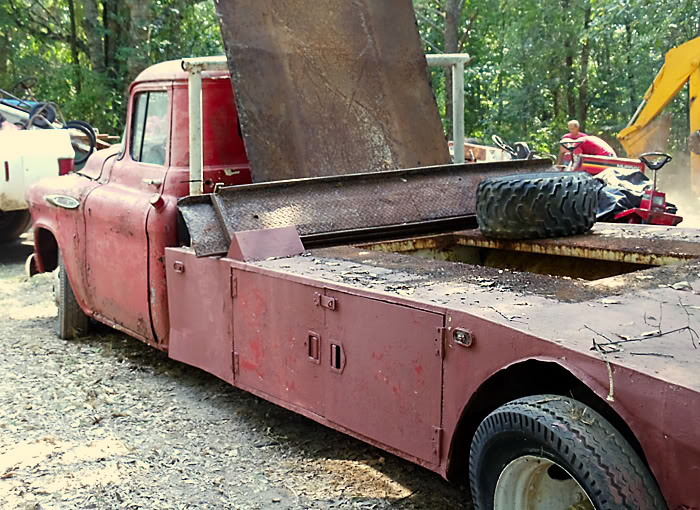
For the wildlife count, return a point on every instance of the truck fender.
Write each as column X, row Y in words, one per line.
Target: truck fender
column 553, row 377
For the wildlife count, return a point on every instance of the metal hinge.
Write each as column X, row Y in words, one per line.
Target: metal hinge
column 234, row 362
column 325, row 301
column 234, row 285
column 437, row 441
column 441, row 342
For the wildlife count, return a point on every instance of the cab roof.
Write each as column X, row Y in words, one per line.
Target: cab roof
column 171, row 70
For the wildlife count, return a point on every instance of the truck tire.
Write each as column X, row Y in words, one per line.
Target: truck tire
column 547, row 451
column 532, row 206
column 13, row 224
column 72, row 321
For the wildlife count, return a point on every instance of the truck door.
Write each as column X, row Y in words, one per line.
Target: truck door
column 116, row 216
column 384, row 365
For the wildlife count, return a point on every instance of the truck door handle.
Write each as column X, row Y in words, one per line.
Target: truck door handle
column 153, row 182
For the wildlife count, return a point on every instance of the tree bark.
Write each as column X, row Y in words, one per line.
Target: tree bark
column 4, row 53
column 630, row 71
column 75, row 59
column 140, row 19
column 452, row 16
column 90, row 24
column 585, row 58
column 569, row 63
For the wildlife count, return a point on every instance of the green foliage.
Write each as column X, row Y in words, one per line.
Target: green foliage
column 535, row 64
column 35, row 41
column 520, row 83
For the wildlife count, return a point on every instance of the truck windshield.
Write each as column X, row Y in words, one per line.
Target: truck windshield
column 149, row 130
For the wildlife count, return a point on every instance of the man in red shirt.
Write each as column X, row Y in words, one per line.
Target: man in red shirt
column 574, row 134
column 591, row 145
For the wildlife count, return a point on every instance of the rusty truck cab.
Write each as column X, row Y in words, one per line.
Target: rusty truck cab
column 131, row 194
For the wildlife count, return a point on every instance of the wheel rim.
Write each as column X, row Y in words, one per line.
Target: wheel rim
column 532, row 482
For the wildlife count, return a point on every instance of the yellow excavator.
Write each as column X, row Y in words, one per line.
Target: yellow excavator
column 647, row 130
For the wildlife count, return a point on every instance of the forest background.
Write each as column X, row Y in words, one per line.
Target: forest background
column 535, row 63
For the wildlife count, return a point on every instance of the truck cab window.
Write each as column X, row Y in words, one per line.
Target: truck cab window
column 149, row 129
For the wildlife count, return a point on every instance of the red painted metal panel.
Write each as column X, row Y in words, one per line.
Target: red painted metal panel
column 384, row 373
column 221, row 137
column 596, row 164
column 649, row 407
column 199, row 293
column 117, row 251
column 276, row 329
column 66, row 225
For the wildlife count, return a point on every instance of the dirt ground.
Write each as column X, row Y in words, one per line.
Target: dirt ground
column 107, row 422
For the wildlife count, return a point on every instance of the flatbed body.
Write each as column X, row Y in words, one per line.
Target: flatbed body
column 403, row 383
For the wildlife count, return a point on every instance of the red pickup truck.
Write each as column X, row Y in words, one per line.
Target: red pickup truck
column 558, row 373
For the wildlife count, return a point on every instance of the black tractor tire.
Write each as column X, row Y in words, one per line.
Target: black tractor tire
column 572, row 442
column 13, row 224
column 72, row 321
column 535, row 206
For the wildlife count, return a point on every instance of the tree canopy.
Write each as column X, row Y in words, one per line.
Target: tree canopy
column 535, row 64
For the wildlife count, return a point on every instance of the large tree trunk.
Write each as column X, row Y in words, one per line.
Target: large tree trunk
column 630, row 70
column 452, row 16
column 583, row 81
column 4, row 54
column 569, row 64
column 140, row 20
column 75, row 60
column 90, row 25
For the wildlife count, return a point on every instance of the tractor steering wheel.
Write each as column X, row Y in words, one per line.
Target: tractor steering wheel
column 504, row 146
column 655, row 160
column 26, row 84
column 571, row 146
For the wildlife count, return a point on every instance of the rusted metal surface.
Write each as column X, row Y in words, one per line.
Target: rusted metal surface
column 615, row 243
column 262, row 244
column 393, row 381
column 330, row 87
column 207, row 235
column 512, row 326
column 203, row 288
column 274, row 350
column 601, row 243
column 349, row 204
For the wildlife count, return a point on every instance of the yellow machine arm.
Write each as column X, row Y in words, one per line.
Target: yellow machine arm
column 641, row 134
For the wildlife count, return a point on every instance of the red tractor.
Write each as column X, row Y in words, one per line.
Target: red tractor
column 653, row 209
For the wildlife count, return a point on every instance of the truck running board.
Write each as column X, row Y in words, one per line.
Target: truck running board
column 346, row 209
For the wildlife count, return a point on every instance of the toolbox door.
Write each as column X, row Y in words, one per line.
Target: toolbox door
column 277, row 330
column 384, row 366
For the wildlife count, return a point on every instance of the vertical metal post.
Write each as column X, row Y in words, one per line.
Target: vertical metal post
column 456, row 63
column 196, row 159
column 458, row 110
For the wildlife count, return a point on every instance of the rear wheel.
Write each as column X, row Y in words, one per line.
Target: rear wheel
column 553, row 453
column 13, row 224
column 72, row 321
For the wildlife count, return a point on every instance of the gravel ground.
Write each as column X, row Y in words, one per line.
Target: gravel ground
column 107, row 422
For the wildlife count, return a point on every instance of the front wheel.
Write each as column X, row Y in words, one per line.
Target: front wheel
column 550, row 452
column 72, row 321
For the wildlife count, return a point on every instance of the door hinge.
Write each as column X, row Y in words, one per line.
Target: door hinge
column 441, row 342
column 325, row 301
column 437, row 441
column 234, row 285
column 234, row 362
